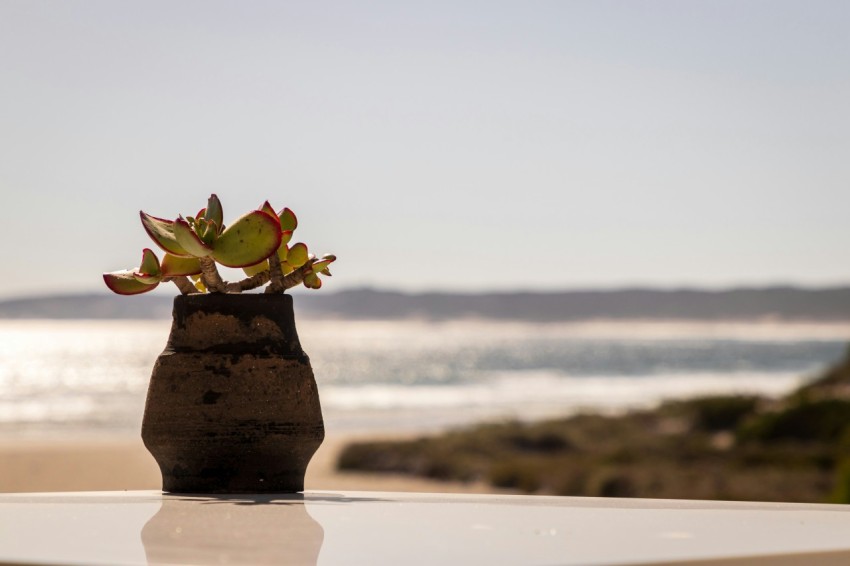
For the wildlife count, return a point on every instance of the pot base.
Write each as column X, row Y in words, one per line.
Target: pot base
column 233, row 475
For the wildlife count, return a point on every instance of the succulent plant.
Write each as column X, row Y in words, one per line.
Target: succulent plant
column 257, row 241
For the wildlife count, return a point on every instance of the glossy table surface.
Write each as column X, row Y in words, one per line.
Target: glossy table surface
column 147, row 527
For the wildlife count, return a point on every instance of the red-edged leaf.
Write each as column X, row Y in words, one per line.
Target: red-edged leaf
column 298, row 255
column 173, row 266
column 149, row 264
column 318, row 266
column 125, row 283
column 288, row 220
column 267, row 208
column 214, row 211
column 312, row 281
column 250, row 239
column 161, row 232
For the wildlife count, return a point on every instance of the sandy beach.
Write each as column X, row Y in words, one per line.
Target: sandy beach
column 115, row 464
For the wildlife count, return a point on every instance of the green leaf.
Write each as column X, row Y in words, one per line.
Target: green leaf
column 146, row 279
column 190, row 241
column 207, row 231
column 148, row 271
column 251, row 270
column 282, row 252
column 250, row 239
column 214, row 211
column 320, row 265
column 149, row 264
column 173, row 266
column 312, row 281
column 288, row 220
column 161, row 232
column 125, row 283
column 298, row 255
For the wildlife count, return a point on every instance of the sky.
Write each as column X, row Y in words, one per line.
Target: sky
column 453, row 146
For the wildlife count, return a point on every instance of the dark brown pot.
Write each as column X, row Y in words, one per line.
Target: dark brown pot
column 232, row 405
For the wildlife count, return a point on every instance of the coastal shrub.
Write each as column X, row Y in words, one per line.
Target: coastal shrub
column 784, row 455
column 423, row 457
column 834, row 383
column 841, row 491
column 546, row 442
column 610, row 483
column 540, row 473
column 512, row 436
column 520, row 475
column 824, row 420
column 714, row 413
column 381, row 456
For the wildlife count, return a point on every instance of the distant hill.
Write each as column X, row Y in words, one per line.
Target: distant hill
column 87, row 306
column 787, row 303
column 735, row 304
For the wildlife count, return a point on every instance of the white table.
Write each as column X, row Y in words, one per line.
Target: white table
column 370, row 528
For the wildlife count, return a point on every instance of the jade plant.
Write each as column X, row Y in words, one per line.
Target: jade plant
column 193, row 246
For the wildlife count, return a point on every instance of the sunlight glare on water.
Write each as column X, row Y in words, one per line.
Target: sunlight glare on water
column 92, row 375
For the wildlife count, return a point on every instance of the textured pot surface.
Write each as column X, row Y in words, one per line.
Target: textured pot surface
column 232, row 405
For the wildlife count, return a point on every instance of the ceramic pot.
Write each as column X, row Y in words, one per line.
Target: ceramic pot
column 232, row 405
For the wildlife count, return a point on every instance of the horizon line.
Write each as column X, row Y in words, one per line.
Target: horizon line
column 466, row 292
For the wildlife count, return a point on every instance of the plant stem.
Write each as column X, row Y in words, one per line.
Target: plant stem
column 183, row 284
column 232, row 287
column 291, row 280
column 276, row 275
column 209, row 274
column 249, row 283
column 297, row 276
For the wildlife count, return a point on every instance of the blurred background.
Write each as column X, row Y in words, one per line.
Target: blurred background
column 565, row 218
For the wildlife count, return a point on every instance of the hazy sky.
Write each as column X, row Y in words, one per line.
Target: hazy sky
column 456, row 145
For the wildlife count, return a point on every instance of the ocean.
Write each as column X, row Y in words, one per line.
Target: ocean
column 86, row 377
